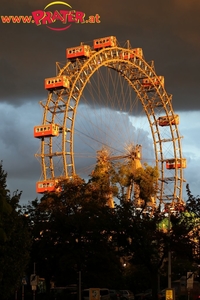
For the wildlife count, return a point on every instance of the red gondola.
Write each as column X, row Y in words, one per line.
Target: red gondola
column 56, row 82
column 176, row 163
column 149, row 83
column 137, row 52
column 46, row 186
column 47, row 130
column 167, row 120
column 79, row 51
column 109, row 41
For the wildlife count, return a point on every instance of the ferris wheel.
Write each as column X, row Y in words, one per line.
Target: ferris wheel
column 108, row 95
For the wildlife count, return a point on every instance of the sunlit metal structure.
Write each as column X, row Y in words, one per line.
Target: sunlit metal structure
column 101, row 77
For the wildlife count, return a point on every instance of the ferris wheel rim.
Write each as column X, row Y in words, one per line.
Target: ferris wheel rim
column 147, row 70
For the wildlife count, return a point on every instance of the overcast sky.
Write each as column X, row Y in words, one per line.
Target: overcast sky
column 168, row 31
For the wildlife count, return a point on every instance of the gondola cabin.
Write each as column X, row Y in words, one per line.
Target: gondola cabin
column 109, row 41
column 56, row 83
column 137, row 52
column 167, row 120
column 176, row 163
column 80, row 51
column 48, row 130
column 150, row 83
column 46, row 186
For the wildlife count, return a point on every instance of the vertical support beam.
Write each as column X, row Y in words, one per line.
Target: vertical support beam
column 169, row 253
column 79, row 286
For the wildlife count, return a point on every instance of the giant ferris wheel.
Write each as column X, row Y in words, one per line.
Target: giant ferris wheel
column 108, row 96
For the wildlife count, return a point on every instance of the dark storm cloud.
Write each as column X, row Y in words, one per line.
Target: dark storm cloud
column 168, row 32
column 18, row 148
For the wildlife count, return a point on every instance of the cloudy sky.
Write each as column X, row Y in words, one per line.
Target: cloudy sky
column 168, row 31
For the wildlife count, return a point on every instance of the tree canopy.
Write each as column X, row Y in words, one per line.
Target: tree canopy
column 72, row 232
column 15, row 240
column 78, row 230
column 116, row 237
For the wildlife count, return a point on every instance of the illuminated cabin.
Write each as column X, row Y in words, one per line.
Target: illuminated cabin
column 79, row 51
column 47, row 130
column 56, row 83
column 176, row 163
column 137, row 52
column 46, row 186
column 149, row 83
column 109, row 41
column 167, row 120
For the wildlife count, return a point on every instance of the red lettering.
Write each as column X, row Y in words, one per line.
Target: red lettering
column 91, row 19
column 71, row 16
column 5, row 19
column 97, row 17
column 57, row 16
column 16, row 19
column 64, row 14
column 80, row 17
column 26, row 19
column 38, row 15
column 47, row 19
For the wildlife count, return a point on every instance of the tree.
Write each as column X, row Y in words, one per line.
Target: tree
column 142, row 241
column 5, row 208
column 72, row 232
column 77, row 229
column 147, row 178
column 192, row 219
column 15, row 244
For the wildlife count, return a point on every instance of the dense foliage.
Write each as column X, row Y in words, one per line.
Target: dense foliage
column 98, row 230
column 72, row 232
column 79, row 230
column 15, row 240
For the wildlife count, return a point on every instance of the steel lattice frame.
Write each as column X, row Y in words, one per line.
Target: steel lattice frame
column 62, row 105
